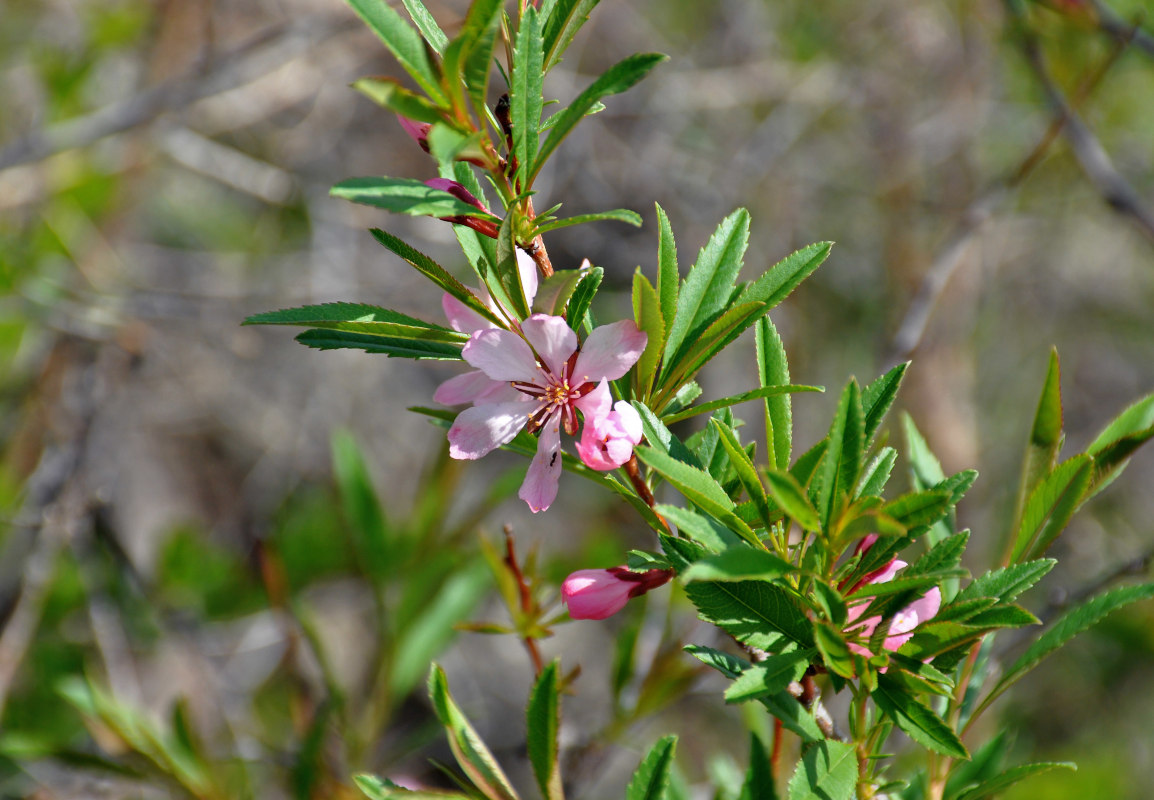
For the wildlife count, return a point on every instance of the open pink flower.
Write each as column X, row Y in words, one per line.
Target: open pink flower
column 902, row 626
column 552, row 379
column 607, row 439
column 601, row 593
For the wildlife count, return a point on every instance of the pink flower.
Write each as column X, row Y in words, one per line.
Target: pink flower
column 419, row 131
column 601, row 593
column 552, row 379
column 608, row 438
column 902, row 626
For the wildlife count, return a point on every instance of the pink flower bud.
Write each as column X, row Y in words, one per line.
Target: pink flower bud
column 482, row 226
column 901, row 628
column 601, row 593
column 419, row 131
column 607, row 440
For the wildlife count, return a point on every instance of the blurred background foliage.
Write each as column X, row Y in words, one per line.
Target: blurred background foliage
column 226, row 561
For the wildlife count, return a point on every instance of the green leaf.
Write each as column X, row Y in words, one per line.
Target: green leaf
column 362, row 506
column 699, row 488
column 924, row 465
column 946, row 554
column 782, row 705
column 583, row 295
column 840, row 468
column 1045, row 437
column 668, row 276
column 1055, row 499
column 773, row 370
column 718, row 335
column 405, row 196
column 616, row 79
column 651, row 781
column 1125, row 434
column 1007, row 583
column 918, row 508
column 877, row 398
column 1012, row 776
column 436, row 273
column 485, row 21
column 877, row 474
column 448, row 145
column 756, row 613
column 917, row 720
column 835, row 653
column 746, row 471
column 470, row 751
column 616, row 215
column 758, row 783
column 647, row 316
column 732, row 400
column 700, row 528
column 828, row 771
column 403, row 42
column 566, row 19
column 426, row 25
column 771, row 676
column 660, row 437
column 544, row 720
column 359, row 318
column 320, row 339
column 375, row 788
column 389, row 94
column 510, row 292
column 554, row 292
column 707, row 288
column 792, row 499
column 1070, row 624
column 738, row 563
column 786, row 275
column 525, row 90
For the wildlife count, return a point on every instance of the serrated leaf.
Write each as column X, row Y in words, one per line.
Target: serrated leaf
column 918, row 508
column 782, row 705
column 321, row 339
column 583, row 295
column 479, row 61
column 758, row 784
column 828, row 771
column 699, row 488
column 651, row 781
column 782, row 278
column 773, row 370
column 835, row 652
column 618, row 78
column 525, row 90
column 554, row 292
column 756, row 613
column 405, row 196
column 738, row 563
column 946, row 554
column 466, row 59
column 470, row 750
column 840, row 468
column 1012, row 776
column 878, row 396
column 615, row 215
column 700, row 528
column 707, row 288
column 917, row 720
column 403, row 42
column 1073, row 622
column 771, row 676
column 544, row 720
column 360, row 318
column 564, row 21
column 1055, row 499
column 746, row 471
column 792, row 499
column 647, row 316
column 877, row 474
column 389, row 94
column 1125, row 434
column 668, row 276
column 660, row 437
column 1007, row 583
column 426, row 24
column 732, row 400
column 696, row 354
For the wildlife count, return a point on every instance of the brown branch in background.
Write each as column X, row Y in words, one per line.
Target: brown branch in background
column 266, row 52
column 914, row 323
column 526, row 598
column 1113, row 25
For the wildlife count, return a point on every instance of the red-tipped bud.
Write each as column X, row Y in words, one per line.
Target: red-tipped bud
column 419, row 131
column 485, row 227
column 601, row 593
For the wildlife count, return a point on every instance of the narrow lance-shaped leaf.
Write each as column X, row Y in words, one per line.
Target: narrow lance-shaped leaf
column 732, row 400
column 403, row 42
column 566, row 19
column 786, row 275
column 1054, row 500
column 758, row 784
column 1010, row 777
column 322, row 339
column 839, row 470
column 792, row 499
column 773, row 370
column 406, row 196
column 525, row 90
column 746, row 471
column 647, row 316
column 543, row 723
column 878, row 396
column 1125, row 434
column 668, row 277
column 1045, row 438
column 359, row 318
column 426, row 25
column 470, row 751
column 616, row 79
column 708, row 286
column 615, row 215
column 919, row 722
column 389, row 94
column 651, row 781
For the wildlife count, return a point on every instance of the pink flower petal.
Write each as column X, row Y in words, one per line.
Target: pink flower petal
column 457, row 190
column 464, row 388
column 597, row 403
column 540, row 487
column 609, row 352
column 594, row 594
column 462, row 318
column 419, row 131
column 630, row 420
column 527, row 269
column 503, row 356
column 479, row 430
column 553, row 340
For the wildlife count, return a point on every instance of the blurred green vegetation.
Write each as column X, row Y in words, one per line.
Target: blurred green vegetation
column 181, row 521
